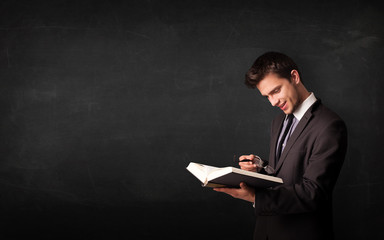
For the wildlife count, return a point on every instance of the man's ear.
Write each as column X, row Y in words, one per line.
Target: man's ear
column 295, row 76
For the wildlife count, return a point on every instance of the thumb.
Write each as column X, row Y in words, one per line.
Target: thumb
column 243, row 186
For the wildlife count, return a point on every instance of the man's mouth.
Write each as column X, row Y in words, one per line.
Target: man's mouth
column 283, row 106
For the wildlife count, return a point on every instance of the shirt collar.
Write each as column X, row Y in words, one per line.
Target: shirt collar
column 304, row 106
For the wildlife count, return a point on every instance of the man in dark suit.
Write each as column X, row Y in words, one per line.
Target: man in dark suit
column 307, row 149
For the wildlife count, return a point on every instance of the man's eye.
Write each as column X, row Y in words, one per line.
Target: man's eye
column 276, row 90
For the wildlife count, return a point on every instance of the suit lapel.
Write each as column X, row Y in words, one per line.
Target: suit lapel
column 295, row 135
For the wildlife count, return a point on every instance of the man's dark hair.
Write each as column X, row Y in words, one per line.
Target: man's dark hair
column 270, row 62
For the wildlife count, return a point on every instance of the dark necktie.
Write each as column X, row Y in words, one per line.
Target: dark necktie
column 280, row 147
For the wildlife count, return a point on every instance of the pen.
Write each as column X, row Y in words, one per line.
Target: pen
column 245, row 160
column 259, row 163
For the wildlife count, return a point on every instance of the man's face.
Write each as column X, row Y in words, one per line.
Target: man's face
column 280, row 92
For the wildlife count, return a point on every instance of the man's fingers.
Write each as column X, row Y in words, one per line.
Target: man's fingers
column 250, row 157
column 229, row 191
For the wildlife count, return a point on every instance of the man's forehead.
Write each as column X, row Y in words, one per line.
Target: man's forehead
column 269, row 83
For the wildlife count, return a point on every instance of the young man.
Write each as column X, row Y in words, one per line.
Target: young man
column 307, row 149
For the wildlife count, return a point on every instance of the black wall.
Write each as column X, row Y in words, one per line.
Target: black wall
column 104, row 103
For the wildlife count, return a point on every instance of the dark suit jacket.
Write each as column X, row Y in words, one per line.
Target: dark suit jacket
column 309, row 165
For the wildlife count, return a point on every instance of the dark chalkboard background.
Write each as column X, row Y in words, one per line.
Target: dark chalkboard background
column 104, row 103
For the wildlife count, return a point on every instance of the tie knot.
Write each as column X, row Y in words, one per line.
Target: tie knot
column 290, row 117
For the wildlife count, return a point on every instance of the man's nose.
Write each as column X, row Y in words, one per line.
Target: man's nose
column 274, row 101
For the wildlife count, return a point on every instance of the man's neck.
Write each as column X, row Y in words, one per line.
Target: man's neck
column 304, row 106
column 304, row 95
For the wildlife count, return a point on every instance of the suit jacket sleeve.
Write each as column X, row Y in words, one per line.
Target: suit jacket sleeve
column 318, row 158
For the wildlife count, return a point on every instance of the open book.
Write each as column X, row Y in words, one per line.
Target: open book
column 231, row 177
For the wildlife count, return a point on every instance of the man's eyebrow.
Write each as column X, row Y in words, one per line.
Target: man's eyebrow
column 272, row 91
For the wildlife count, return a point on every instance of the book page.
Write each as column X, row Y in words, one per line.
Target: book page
column 201, row 171
column 230, row 176
column 205, row 171
column 209, row 169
